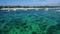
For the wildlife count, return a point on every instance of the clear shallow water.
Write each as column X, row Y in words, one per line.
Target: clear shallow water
column 30, row 22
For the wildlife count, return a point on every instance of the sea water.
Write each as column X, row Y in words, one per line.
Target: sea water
column 30, row 21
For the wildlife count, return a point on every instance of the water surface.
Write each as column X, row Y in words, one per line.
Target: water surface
column 30, row 22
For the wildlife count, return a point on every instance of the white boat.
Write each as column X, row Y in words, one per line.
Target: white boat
column 58, row 10
column 8, row 10
column 46, row 9
column 14, row 9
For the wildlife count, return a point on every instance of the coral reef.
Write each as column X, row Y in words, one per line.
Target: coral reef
column 30, row 23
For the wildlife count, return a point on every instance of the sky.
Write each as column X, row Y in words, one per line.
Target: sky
column 30, row 2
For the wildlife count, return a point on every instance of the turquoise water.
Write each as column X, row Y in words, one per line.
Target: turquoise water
column 30, row 22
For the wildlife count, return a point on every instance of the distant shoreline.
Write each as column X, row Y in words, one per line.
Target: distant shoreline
column 24, row 8
column 29, row 7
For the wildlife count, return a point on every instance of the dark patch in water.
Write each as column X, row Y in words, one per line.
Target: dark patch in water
column 34, row 32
